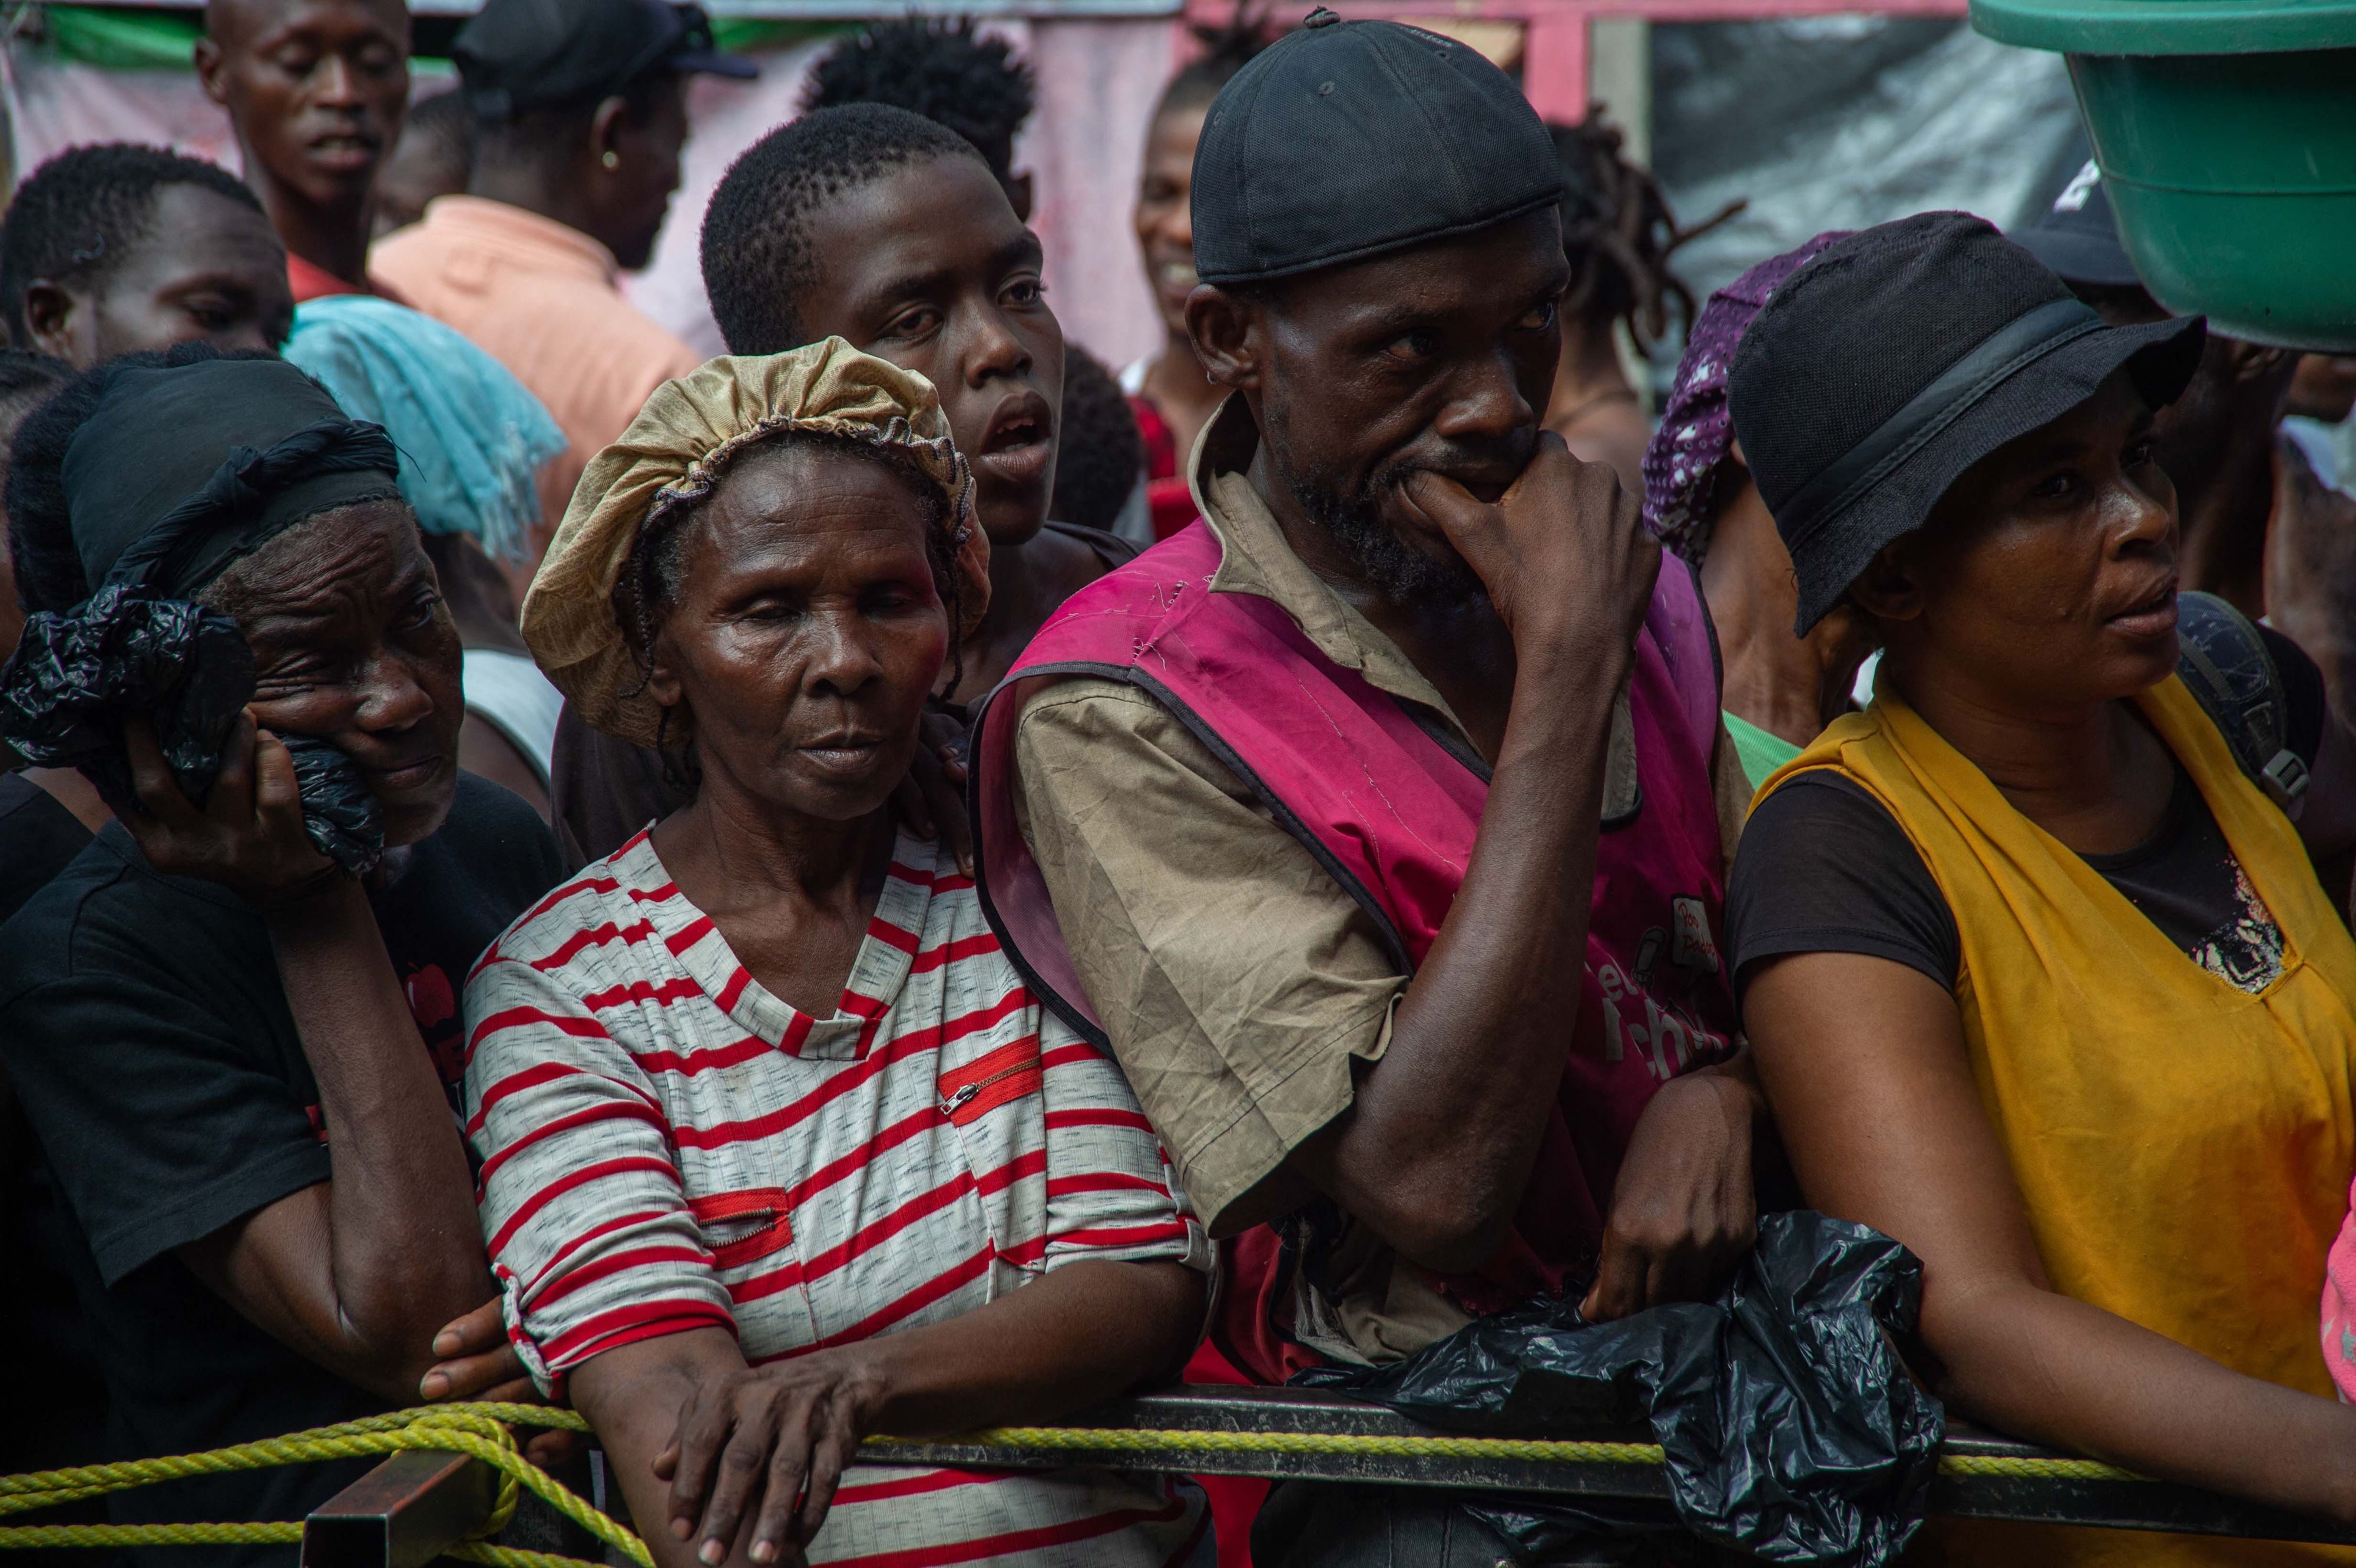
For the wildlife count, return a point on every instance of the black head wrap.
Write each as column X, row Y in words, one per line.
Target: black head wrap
column 179, row 472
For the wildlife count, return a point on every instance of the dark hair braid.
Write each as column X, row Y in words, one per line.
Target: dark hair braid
column 1619, row 233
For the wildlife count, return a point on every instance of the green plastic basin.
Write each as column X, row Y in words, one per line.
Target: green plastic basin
column 2226, row 134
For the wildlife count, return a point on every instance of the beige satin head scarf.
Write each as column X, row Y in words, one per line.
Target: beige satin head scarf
column 675, row 450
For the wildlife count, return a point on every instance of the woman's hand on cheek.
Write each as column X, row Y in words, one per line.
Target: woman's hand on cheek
column 769, row 1444
column 248, row 836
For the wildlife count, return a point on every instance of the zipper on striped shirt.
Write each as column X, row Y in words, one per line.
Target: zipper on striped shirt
column 764, row 1207
column 958, row 1099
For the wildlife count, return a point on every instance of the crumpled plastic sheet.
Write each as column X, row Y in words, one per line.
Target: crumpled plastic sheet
column 343, row 819
column 1791, row 1429
column 74, row 677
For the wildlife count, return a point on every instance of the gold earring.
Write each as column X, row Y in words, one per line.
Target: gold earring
column 612, row 158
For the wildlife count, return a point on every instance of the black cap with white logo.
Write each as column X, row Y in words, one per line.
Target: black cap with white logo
column 523, row 55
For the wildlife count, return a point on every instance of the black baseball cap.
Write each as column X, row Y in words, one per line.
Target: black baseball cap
column 1901, row 356
column 521, row 54
column 1345, row 140
column 2078, row 237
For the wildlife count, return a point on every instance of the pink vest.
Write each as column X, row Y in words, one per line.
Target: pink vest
column 1391, row 811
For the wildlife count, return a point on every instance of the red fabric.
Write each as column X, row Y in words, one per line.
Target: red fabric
column 1168, row 497
column 1397, row 814
column 1234, row 1499
column 311, row 282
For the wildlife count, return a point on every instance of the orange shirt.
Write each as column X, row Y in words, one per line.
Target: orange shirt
column 540, row 298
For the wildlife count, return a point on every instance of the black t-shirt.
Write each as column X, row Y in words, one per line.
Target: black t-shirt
column 37, row 839
column 51, row 1376
column 143, row 1021
column 1824, row 867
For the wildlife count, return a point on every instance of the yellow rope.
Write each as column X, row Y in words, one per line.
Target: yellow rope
column 2034, row 1469
column 479, row 1431
column 474, row 1430
column 35, row 1535
column 1128, row 1439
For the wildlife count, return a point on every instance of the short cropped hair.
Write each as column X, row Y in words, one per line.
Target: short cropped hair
column 81, row 213
column 940, row 69
column 1100, row 454
column 758, row 266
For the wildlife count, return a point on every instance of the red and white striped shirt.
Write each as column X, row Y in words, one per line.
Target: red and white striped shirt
column 667, row 1146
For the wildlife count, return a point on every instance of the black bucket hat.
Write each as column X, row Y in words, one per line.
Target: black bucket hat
column 1901, row 357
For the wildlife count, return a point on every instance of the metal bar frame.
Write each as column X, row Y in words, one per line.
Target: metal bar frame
column 402, row 1514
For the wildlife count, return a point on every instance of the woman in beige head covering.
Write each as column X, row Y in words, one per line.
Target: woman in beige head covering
column 779, row 1149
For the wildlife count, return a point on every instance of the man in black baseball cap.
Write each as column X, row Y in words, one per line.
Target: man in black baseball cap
column 1438, row 1135
column 520, row 55
column 580, row 111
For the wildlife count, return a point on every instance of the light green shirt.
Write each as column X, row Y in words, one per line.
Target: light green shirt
column 1760, row 752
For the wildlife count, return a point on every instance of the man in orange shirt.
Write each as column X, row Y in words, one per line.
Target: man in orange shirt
column 581, row 114
column 317, row 91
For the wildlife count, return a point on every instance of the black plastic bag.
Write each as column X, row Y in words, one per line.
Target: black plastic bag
column 1790, row 1427
column 75, row 678
column 343, row 819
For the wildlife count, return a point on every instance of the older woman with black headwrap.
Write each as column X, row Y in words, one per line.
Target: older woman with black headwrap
column 779, row 1148
column 232, row 1019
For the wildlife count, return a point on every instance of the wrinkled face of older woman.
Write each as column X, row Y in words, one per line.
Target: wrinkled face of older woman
column 351, row 642
column 806, row 630
column 2045, row 579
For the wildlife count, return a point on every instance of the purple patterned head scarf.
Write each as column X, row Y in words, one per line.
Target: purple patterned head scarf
column 1695, row 432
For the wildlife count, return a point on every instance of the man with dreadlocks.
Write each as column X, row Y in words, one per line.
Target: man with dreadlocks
column 1619, row 234
column 944, row 70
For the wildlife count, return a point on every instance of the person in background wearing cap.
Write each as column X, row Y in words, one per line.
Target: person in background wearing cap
column 2218, row 441
column 581, row 114
column 1701, row 502
column 1371, row 821
column 2260, row 528
column 317, row 89
column 2040, row 980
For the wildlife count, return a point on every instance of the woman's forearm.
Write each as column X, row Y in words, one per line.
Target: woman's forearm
column 1087, row 1332
column 406, row 1253
column 633, row 1397
column 712, row 1455
column 2051, row 1369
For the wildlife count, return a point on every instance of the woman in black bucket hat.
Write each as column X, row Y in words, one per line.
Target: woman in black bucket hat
column 2039, row 973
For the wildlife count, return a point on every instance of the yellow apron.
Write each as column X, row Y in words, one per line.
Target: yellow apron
column 2183, row 1147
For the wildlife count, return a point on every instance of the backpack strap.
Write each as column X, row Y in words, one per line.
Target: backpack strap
column 2224, row 662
